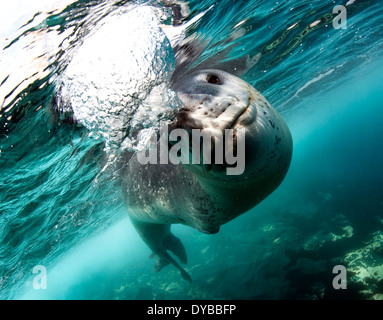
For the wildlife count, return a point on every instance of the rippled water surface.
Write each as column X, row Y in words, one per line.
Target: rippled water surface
column 60, row 203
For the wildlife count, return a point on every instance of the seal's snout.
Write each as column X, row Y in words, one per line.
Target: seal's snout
column 212, row 99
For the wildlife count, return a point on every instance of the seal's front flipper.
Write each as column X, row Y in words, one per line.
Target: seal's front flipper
column 165, row 259
column 175, row 245
column 159, row 238
column 165, row 256
column 186, row 276
column 160, row 264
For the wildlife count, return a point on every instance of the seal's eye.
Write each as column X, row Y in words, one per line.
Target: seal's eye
column 213, row 79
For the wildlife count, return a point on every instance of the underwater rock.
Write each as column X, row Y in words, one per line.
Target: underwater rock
column 365, row 265
column 323, row 238
column 338, row 228
column 144, row 293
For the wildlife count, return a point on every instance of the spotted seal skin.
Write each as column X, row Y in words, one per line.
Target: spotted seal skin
column 205, row 197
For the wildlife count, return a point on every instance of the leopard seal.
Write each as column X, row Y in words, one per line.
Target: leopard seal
column 125, row 87
column 200, row 196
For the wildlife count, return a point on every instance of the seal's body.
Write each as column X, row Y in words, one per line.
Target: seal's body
column 205, row 196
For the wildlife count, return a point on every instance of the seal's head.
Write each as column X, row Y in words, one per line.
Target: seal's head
column 230, row 109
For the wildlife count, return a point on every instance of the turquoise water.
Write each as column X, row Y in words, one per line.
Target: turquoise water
column 58, row 210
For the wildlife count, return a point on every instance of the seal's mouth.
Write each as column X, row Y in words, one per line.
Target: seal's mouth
column 210, row 138
column 243, row 113
column 190, row 118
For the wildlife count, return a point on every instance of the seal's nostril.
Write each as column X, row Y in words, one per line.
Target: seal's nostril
column 213, row 79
